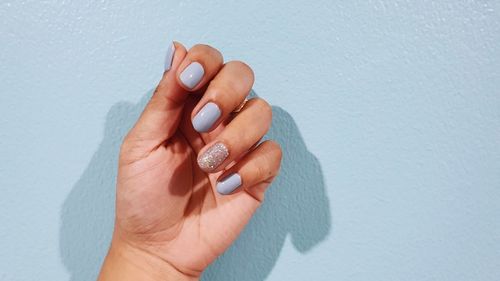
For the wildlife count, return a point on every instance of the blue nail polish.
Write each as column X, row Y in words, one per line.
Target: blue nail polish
column 192, row 75
column 169, row 57
column 206, row 117
column 229, row 184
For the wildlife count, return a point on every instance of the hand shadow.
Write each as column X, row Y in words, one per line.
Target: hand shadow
column 87, row 215
column 295, row 204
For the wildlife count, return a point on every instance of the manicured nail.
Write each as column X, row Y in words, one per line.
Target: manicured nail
column 229, row 184
column 206, row 117
column 192, row 75
column 213, row 157
column 169, row 57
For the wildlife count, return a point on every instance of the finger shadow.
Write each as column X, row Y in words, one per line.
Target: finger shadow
column 296, row 204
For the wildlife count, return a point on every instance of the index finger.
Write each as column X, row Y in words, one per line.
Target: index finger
column 200, row 65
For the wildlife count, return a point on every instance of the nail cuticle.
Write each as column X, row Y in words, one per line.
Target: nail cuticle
column 206, row 117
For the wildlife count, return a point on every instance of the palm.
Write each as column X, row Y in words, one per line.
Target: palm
column 166, row 200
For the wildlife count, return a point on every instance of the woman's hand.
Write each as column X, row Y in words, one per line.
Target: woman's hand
column 190, row 173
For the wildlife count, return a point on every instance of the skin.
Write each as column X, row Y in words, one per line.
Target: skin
column 170, row 221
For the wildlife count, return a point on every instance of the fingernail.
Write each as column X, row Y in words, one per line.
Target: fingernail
column 169, row 57
column 229, row 184
column 192, row 75
column 213, row 157
column 206, row 117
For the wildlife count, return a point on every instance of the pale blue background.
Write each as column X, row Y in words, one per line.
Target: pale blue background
column 389, row 113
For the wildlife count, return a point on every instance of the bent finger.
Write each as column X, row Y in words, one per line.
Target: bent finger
column 200, row 65
column 238, row 137
column 260, row 165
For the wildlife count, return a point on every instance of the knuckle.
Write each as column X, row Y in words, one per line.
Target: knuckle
column 231, row 87
column 275, row 150
column 203, row 50
column 222, row 89
column 261, row 169
column 242, row 67
column 264, row 107
column 263, row 173
column 272, row 155
column 263, row 112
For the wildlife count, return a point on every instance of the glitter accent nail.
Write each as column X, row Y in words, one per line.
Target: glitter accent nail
column 213, row 157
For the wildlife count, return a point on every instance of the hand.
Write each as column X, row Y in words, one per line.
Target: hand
column 190, row 173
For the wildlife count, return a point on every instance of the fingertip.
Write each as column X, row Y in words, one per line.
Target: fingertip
column 179, row 53
column 228, row 184
column 175, row 54
column 192, row 75
column 201, row 64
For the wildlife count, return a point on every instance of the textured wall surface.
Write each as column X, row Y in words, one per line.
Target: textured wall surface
column 388, row 112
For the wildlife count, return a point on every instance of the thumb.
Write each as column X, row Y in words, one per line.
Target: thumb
column 161, row 116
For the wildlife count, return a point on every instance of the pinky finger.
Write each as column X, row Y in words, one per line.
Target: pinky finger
column 254, row 172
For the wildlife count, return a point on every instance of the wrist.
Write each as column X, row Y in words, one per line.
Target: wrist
column 126, row 262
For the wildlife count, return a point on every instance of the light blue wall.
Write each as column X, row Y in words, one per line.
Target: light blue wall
column 388, row 111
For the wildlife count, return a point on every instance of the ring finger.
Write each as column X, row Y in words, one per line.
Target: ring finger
column 245, row 130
